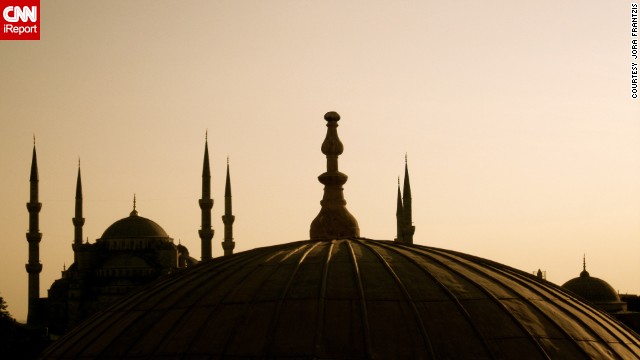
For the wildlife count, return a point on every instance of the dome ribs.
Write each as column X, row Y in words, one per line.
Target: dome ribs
column 596, row 317
column 220, row 275
column 532, row 304
column 447, row 291
column 114, row 315
column 271, row 333
column 243, row 319
column 487, row 293
column 318, row 348
column 363, row 303
column 405, row 292
column 349, row 299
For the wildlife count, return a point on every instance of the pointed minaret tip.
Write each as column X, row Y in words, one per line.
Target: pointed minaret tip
column 34, row 163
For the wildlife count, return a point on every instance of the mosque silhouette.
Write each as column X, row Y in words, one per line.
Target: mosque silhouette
column 338, row 295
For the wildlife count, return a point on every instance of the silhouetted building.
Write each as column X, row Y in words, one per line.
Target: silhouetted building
column 596, row 291
column 404, row 217
column 601, row 295
column 131, row 253
column 341, row 296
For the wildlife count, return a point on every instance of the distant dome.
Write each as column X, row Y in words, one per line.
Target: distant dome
column 596, row 291
column 354, row 299
column 134, row 226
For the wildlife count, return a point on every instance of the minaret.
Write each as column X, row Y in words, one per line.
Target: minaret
column 206, row 203
column 409, row 229
column 33, row 237
column 228, row 218
column 399, row 216
column 78, row 220
column 334, row 220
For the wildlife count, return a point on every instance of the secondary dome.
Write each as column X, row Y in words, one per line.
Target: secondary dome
column 596, row 291
column 355, row 298
column 134, row 226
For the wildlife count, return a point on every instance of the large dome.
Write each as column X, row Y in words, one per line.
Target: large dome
column 351, row 298
column 134, row 226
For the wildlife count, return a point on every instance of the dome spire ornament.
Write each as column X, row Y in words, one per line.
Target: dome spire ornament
column 134, row 212
column 584, row 272
column 334, row 220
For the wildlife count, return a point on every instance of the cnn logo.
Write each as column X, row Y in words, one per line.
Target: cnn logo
column 15, row 13
column 20, row 20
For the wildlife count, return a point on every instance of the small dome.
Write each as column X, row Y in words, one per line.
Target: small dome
column 596, row 291
column 349, row 299
column 134, row 226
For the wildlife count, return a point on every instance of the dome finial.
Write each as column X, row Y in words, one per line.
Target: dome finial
column 584, row 272
column 134, row 212
column 334, row 220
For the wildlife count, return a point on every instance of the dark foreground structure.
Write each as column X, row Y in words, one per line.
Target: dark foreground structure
column 341, row 296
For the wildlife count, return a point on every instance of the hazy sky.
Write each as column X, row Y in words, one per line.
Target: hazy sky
column 523, row 140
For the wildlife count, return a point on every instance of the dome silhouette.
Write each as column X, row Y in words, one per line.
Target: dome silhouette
column 341, row 296
column 134, row 226
column 350, row 298
column 596, row 291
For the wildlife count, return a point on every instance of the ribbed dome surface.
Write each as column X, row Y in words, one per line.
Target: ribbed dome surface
column 134, row 226
column 347, row 299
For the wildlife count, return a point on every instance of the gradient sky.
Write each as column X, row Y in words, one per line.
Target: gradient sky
column 522, row 137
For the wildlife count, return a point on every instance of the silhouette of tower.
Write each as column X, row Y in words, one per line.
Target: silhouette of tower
column 399, row 215
column 334, row 220
column 33, row 237
column 206, row 203
column 409, row 229
column 78, row 220
column 228, row 218
column 404, row 217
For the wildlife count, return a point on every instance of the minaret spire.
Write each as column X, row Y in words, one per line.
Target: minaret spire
column 334, row 220
column 399, row 215
column 206, row 203
column 228, row 218
column 78, row 220
column 34, row 236
column 409, row 229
